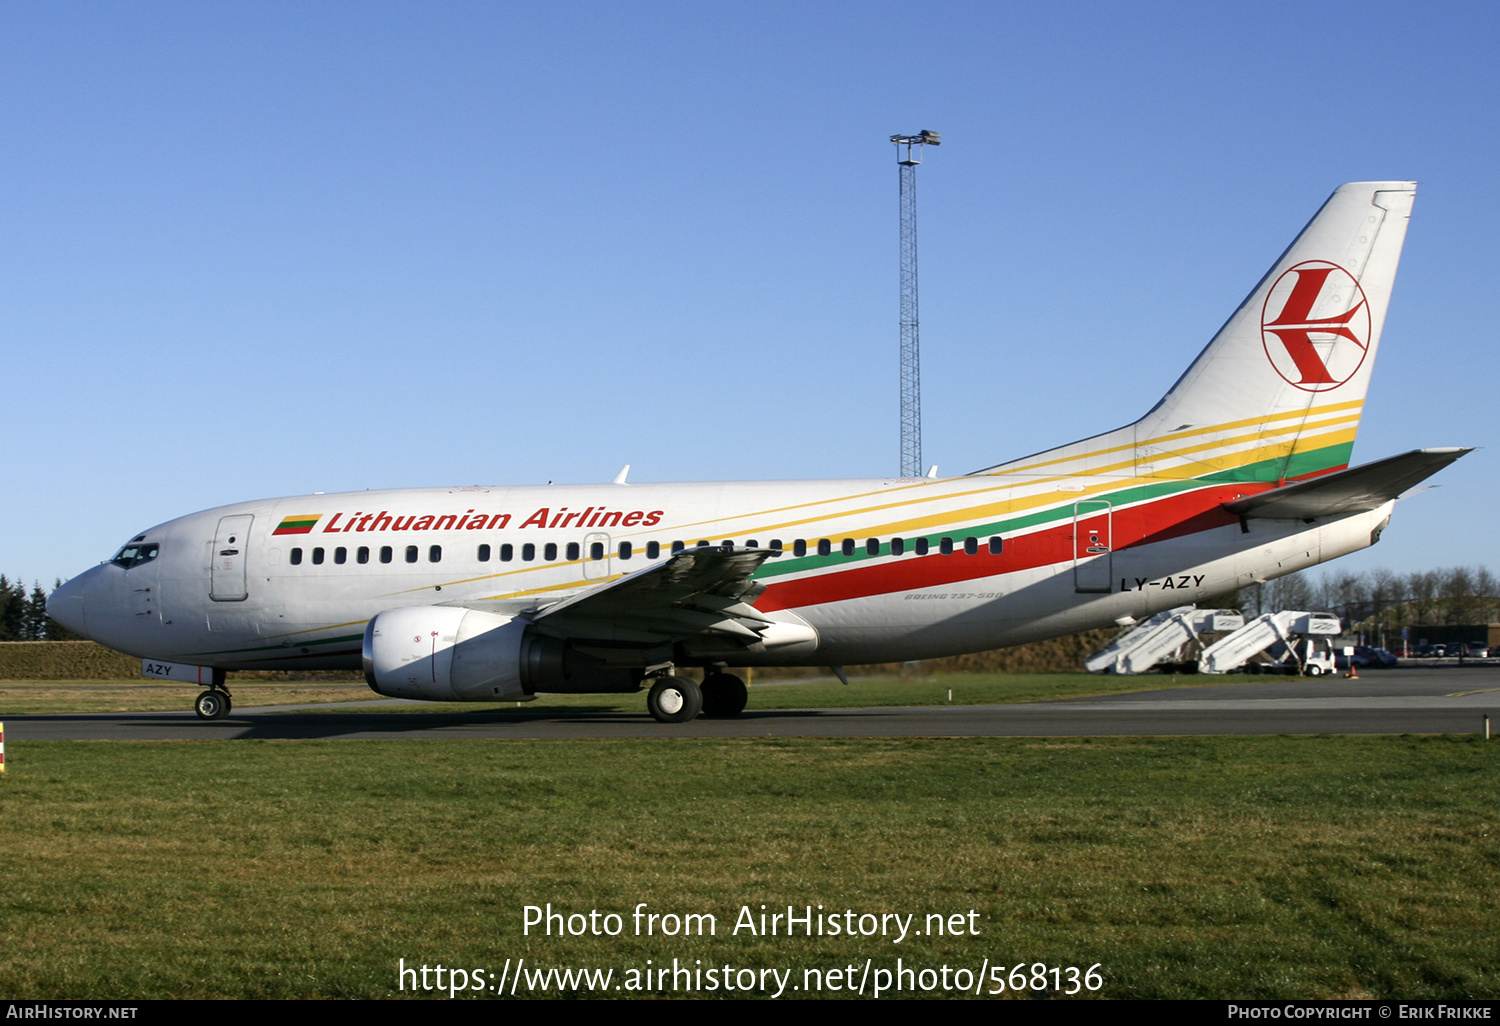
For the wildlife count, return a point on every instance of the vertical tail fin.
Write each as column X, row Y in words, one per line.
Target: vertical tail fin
column 1277, row 394
column 1292, row 365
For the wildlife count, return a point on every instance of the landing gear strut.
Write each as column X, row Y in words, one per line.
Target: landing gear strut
column 213, row 704
column 674, row 700
column 724, row 695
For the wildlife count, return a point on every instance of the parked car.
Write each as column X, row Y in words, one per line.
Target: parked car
column 1366, row 658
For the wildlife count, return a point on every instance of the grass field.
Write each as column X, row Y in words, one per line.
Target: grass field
column 52, row 696
column 1189, row 867
column 20, row 697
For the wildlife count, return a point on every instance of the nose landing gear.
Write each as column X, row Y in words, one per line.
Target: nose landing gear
column 213, row 704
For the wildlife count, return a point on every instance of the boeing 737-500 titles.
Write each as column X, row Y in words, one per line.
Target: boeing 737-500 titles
column 1239, row 474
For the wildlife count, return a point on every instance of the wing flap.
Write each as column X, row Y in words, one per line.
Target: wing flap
column 697, row 593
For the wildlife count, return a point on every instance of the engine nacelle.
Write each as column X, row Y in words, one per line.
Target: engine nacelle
column 448, row 654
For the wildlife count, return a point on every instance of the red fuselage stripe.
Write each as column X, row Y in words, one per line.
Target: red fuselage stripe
column 1171, row 517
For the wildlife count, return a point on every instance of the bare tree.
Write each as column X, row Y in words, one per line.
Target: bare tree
column 1421, row 591
column 1294, row 591
column 1485, row 595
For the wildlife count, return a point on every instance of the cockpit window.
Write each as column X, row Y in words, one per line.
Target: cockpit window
column 135, row 554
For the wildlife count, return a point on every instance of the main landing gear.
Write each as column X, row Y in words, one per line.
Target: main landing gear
column 674, row 700
column 679, row 699
column 724, row 695
column 213, row 704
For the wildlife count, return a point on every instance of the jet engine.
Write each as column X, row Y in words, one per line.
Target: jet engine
column 451, row 654
column 447, row 654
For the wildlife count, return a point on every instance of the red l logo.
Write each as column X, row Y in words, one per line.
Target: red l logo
column 1321, row 334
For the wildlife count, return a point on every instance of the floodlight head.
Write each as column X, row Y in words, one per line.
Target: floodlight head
column 928, row 138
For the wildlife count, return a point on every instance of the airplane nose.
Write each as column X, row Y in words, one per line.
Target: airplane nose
column 65, row 605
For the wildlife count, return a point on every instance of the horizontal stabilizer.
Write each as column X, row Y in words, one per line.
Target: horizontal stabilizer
column 1355, row 490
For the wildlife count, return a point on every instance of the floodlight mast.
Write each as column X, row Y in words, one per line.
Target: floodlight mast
column 911, row 369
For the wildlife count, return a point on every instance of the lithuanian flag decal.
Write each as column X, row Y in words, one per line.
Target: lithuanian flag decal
column 302, row 524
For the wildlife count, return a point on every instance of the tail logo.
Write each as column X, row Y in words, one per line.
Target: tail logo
column 1320, row 337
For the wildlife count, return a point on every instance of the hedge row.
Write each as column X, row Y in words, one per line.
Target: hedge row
column 85, row 660
column 64, row 660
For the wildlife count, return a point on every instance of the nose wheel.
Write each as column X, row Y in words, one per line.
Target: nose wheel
column 213, row 705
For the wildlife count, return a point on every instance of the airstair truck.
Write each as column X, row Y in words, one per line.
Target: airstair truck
column 1173, row 637
column 1290, row 641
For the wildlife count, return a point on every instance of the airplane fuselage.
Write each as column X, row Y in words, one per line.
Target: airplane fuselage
column 882, row 570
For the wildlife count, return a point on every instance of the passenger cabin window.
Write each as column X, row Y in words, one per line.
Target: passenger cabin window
column 317, row 557
column 847, row 547
column 549, row 553
column 435, row 554
column 572, row 550
column 362, row 554
column 295, row 557
column 945, row 546
column 411, row 553
column 624, row 550
column 799, row 547
column 484, row 553
column 507, row 552
column 528, row 552
column 677, row 547
column 824, row 546
column 596, row 550
column 341, row 555
column 776, row 546
column 898, row 546
column 653, row 550
column 385, row 553
column 995, row 546
column 971, row 546
column 134, row 555
column 872, row 546
column 921, row 546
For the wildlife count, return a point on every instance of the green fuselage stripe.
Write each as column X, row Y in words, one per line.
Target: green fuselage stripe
column 1264, row 471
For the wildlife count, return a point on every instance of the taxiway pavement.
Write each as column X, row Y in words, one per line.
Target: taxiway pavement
column 1447, row 700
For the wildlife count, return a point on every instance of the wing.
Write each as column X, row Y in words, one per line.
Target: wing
column 700, row 596
column 1347, row 491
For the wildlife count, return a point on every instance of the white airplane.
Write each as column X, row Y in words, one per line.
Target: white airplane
column 1239, row 474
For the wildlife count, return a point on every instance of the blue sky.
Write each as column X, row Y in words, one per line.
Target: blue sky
column 273, row 248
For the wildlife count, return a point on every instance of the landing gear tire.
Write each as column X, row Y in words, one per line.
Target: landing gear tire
column 1315, row 671
column 724, row 695
column 212, row 705
column 674, row 700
